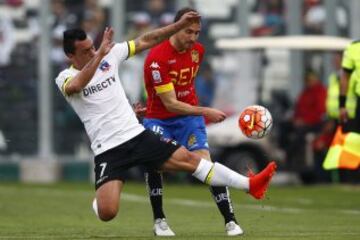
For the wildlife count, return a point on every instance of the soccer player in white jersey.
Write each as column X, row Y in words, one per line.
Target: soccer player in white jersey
column 93, row 88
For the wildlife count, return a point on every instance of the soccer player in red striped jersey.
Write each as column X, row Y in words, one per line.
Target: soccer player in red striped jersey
column 170, row 70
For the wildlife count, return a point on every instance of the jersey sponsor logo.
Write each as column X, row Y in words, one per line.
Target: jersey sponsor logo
column 154, row 65
column 195, row 56
column 172, row 61
column 104, row 66
column 92, row 89
column 184, row 76
column 183, row 93
column 156, row 76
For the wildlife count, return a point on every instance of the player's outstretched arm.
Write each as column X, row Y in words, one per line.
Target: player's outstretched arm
column 175, row 106
column 88, row 71
column 152, row 38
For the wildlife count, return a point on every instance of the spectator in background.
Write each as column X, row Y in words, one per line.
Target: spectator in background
column 132, row 71
column 309, row 115
column 61, row 20
column 166, row 19
column 61, row 15
column 158, row 10
column 7, row 40
column 205, row 85
column 323, row 140
column 140, row 23
column 310, row 106
column 273, row 18
column 93, row 21
column 57, row 55
column 315, row 17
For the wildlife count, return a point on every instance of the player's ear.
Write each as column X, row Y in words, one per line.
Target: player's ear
column 70, row 55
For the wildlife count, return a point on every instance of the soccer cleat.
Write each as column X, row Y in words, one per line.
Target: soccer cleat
column 233, row 229
column 161, row 228
column 260, row 182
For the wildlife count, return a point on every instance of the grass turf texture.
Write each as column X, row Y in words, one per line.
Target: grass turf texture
column 63, row 211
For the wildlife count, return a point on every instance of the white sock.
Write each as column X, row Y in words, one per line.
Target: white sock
column 95, row 207
column 225, row 176
column 203, row 169
column 216, row 174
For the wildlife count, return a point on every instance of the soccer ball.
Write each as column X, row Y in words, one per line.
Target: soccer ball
column 255, row 121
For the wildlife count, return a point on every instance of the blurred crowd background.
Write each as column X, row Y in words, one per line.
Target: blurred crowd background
column 281, row 80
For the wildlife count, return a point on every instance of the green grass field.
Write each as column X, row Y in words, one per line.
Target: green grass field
column 63, row 211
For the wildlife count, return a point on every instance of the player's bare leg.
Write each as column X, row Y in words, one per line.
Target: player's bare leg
column 221, row 196
column 107, row 201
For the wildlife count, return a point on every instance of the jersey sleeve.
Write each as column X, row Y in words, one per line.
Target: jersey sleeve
column 348, row 58
column 158, row 73
column 124, row 50
column 63, row 79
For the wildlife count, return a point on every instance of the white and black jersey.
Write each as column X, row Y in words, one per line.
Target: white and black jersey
column 102, row 105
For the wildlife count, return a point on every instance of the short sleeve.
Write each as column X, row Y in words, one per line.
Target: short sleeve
column 63, row 79
column 159, row 75
column 348, row 59
column 124, row 50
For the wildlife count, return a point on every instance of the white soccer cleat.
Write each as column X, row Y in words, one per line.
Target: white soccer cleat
column 161, row 228
column 233, row 229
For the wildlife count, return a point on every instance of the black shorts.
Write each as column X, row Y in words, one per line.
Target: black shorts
column 146, row 149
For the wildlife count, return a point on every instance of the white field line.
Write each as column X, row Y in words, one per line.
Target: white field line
column 176, row 201
column 204, row 204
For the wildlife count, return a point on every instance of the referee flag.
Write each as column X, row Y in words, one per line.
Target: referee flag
column 344, row 151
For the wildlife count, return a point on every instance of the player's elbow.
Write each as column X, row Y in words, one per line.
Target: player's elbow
column 73, row 88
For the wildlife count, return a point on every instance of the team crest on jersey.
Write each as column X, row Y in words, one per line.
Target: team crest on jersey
column 156, row 76
column 104, row 66
column 195, row 56
column 191, row 140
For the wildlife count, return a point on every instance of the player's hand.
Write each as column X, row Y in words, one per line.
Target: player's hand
column 343, row 115
column 139, row 110
column 189, row 18
column 214, row 115
column 107, row 41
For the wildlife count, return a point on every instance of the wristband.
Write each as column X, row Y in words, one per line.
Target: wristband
column 342, row 101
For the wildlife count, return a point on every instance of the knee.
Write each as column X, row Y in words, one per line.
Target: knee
column 107, row 213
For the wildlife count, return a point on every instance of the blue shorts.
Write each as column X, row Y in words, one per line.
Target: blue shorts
column 188, row 131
